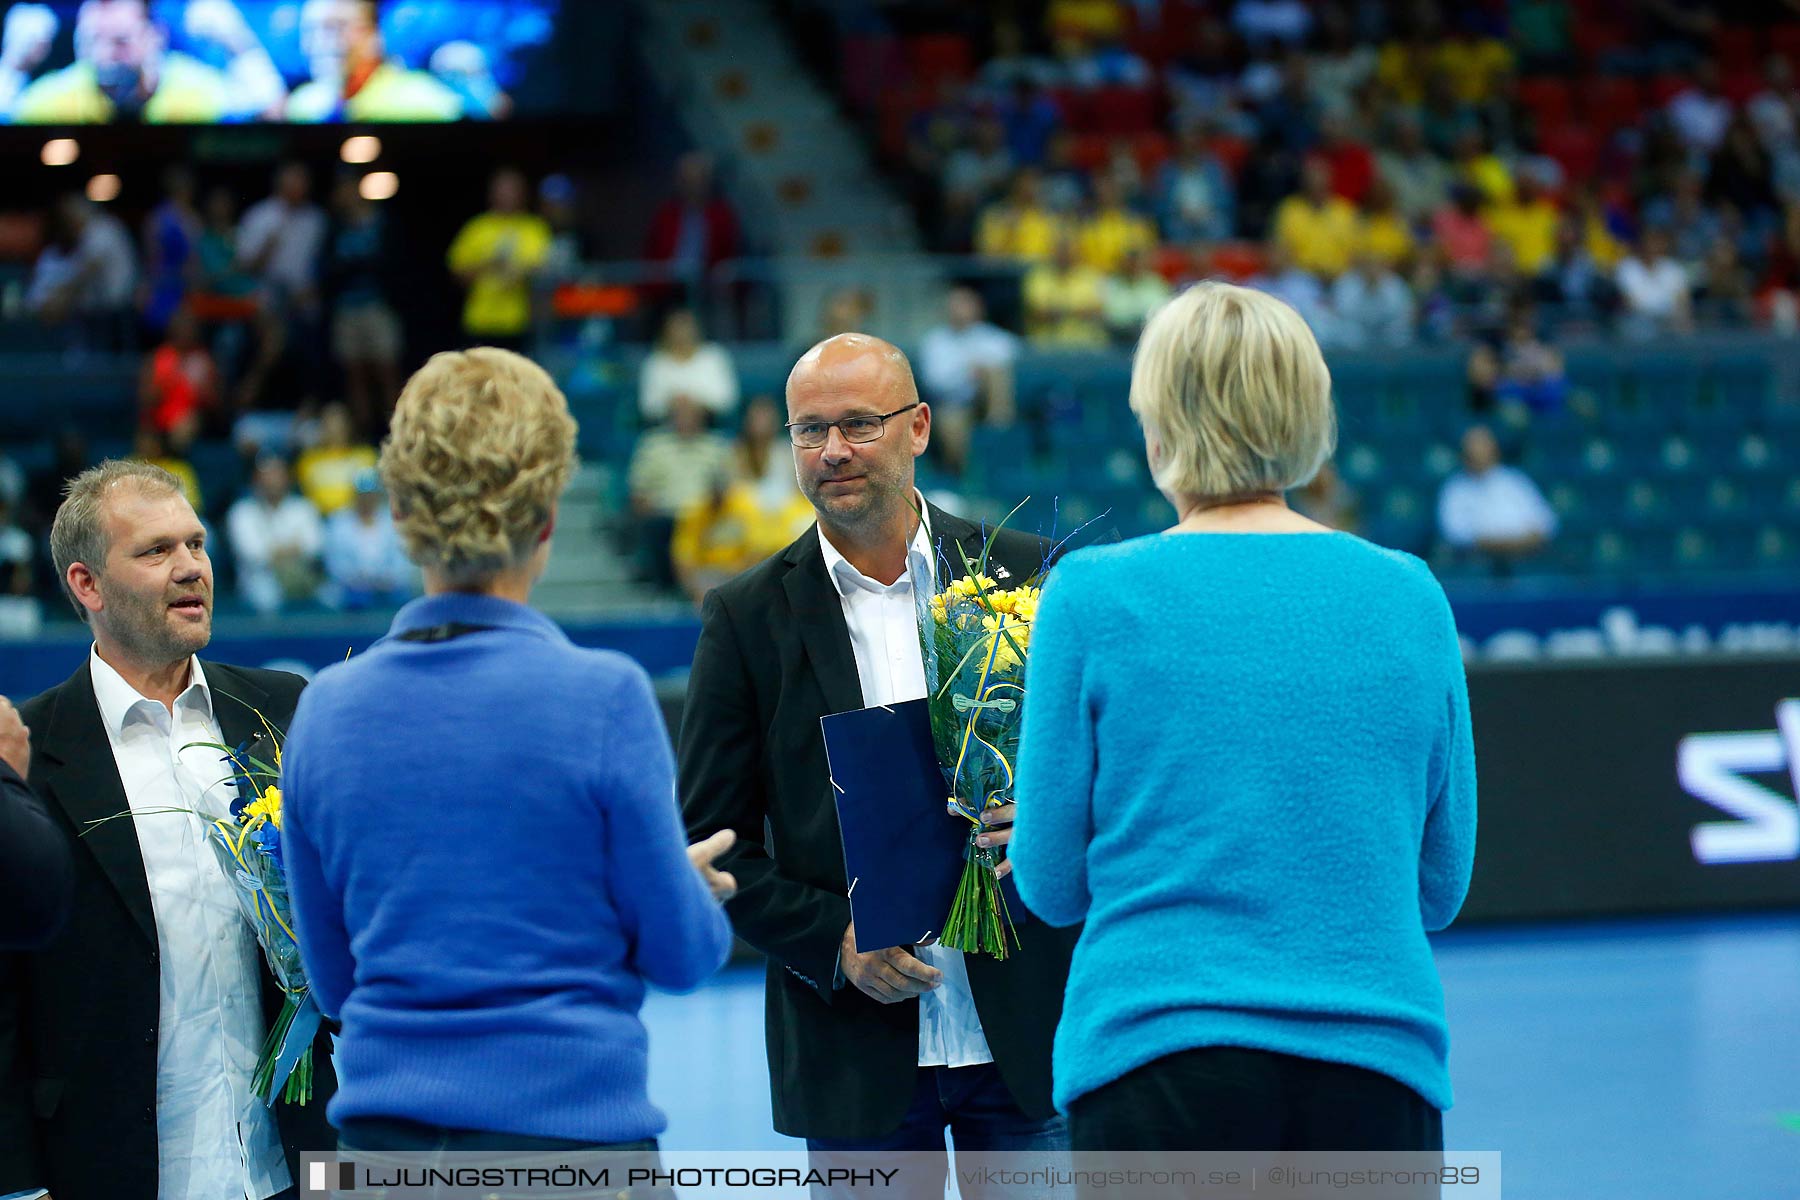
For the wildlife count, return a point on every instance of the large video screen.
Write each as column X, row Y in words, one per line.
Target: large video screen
column 200, row 62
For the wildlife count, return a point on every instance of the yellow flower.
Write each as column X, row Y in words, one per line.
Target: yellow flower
column 964, row 588
column 1006, row 632
column 267, row 805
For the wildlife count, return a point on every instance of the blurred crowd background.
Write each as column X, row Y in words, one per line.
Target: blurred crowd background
column 1552, row 248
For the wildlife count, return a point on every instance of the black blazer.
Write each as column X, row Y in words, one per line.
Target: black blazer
column 78, row 1019
column 34, row 867
column 774, row 657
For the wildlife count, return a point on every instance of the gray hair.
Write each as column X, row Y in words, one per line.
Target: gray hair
column 78, row 535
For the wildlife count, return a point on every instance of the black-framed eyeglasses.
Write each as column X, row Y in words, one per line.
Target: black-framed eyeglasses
column 810, row 435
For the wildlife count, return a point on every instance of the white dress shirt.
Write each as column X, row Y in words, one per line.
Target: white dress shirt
column 215, row 1139
column 884, row 633
column 1501, row 503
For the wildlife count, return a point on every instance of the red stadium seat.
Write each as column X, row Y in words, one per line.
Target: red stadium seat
column 1177, row 263
column 1739, row 86
column 1152, row 150
column 1237, row 260
column 936, row 56
column 1612, row 101
column 1089, row 151
column 1550, row 99
column 1665, row 88
column 1232, row 151
column 1574, row 146
column 1592, row 38
column 1124, row 110
column 1739, row 48
column 1785, row 40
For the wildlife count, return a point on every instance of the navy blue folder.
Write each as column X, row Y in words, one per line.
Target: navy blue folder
column 903, row 853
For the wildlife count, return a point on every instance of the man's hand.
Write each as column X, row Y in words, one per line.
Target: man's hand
column 998, row 820
column 29, row 32
column 702, row 854
column 890, row 975
column 15, row 740
column 220, row 22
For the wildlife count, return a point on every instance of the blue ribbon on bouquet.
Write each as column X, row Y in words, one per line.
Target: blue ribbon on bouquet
column 300, row 1034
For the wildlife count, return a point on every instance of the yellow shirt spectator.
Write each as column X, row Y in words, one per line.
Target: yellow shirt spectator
column 1602, row 246
column 502, row 249
column 391, row 93
column 1529, row 229
column 184, row 474
column 328, row 476
column 1490, row 177
column 1105, row 238
column 1386, row 238
column 1026, row 233
column 1320, row 238
column 188, row 92
column 714, row 542
column 1401, row 71
column 1064, row 305
column 1474, row 67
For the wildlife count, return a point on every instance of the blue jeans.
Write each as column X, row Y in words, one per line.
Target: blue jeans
column 974, row 1104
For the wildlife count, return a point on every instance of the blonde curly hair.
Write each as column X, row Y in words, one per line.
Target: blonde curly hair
column 481, row 446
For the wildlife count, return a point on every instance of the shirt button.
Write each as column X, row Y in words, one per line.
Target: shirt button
column 150, row 1038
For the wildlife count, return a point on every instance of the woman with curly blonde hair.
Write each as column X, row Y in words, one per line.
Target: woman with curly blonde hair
column 481, row 835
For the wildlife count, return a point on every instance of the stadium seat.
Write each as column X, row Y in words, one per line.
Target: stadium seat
column 1549, row 98
column 1123, row 110
column 934, row 57
column 1611, row 102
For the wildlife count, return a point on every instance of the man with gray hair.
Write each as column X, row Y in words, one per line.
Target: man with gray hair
column 161, row 1055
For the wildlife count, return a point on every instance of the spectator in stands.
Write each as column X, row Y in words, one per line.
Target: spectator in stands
column 178, row 385
column 1527, row 225
column 328, row 470
column 1102, row 62
column 1110, row 230
column 1343, row 66
column 1316, row 228
column 1444, row 117
column 1462, row 233
column 1542, row 33
column 1291, row 116
column 1193, row 194
column 1693, row 226
column 1382, row 232
column 365, row 329
column 1742, row 175
column 365, row 563
column 1419, row 179
column 276, row 538
column 1028, row 119
column 279, row 243
column 1298, row 288
column 44, row 487
column 966, row 367
column 12, row 481
column 1432, row 297
column 1272, row 22
column 1269, row 176
column 755, row 509
column 1020, row 226
column 1780, row 286
column 1349, row 162
column 1203, row 79
column 1063, row 301
column 151, row 447
column 1371, row 306
column 1491, row 512
column 1063, row 182
column 1475, row 62
column 496, row 256
column 1131, row 294
column 695, row 229
column 1577, row 286
column 1724, row 295
column 1518, row 369
column 1329, row 501
column 1700, row 112
column 557, row 197
column 1406, row 60
column 974, row 175
column 1774, row 111
column 90, row 282
column 1655, row 289
column 220, row 274
column 171, row 242
column 1013, row 62
column 674, row 467
column 1475, row 163
column 16, row 552
column 685, row 365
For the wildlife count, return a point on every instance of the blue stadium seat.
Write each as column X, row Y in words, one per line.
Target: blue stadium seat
column 1745, row 383
column 1670, row 384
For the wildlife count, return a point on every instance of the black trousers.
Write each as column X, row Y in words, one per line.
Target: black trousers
column 1224, row 1098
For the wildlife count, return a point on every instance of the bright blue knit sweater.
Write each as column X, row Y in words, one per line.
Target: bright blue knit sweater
column 1247, row 765
column 487, row 867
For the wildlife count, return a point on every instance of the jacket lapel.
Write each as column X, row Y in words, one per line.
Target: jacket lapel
column 236, row 701
column 80, row 776
column 820, row 615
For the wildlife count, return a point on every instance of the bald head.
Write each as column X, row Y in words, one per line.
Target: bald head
column 860, row 487
column 854, row 361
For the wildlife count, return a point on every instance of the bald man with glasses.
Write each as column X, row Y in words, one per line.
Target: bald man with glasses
column 888, row 1049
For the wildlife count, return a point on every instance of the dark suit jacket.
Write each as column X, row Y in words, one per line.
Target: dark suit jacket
column 34, row 867
column 774, row 657
column 79, row 1018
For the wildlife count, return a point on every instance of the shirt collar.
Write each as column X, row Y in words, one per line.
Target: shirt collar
column 118, row 700
column 846, row 578
column 466, row 608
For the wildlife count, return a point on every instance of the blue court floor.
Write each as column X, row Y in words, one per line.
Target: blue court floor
column 1641, row 1060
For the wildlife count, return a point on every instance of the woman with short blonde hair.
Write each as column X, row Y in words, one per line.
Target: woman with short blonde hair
column 481, row 837
column 1247, row 765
